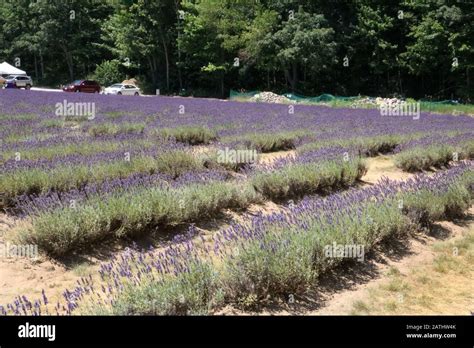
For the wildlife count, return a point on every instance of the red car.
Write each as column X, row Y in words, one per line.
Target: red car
column 85, row 86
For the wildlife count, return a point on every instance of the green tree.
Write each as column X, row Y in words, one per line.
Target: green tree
column 109, row 72
column 143, row 30
column 303, row 40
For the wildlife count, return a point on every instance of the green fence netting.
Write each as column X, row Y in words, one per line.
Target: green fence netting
column 322, row 98
column 328, row 98
column 292, row 96
column 243, row 95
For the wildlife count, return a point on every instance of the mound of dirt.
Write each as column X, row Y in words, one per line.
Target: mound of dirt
column 131, row 82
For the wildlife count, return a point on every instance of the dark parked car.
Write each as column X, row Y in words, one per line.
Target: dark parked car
column 85, row 86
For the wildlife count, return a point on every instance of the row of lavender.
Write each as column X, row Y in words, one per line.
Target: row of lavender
column 50, row 149
column 74, row 206
column 230, row 120
column 78, row 185
column 281, row 254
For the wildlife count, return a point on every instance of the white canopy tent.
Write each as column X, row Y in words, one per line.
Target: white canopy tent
column 7, row 69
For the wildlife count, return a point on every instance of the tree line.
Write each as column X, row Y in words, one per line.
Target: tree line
column 413, row 48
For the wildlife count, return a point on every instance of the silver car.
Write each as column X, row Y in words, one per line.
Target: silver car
column 19, row 81
column 122, row 89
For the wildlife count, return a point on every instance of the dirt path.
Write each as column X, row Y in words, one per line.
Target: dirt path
column 381, row 166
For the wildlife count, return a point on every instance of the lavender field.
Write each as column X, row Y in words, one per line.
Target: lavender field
column 124, row 168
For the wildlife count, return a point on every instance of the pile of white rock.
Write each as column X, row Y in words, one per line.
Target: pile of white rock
column 269, row 97
column 390, row 101
column 376, row 102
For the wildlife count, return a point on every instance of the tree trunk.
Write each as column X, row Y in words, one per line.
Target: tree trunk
column 70, row 66
column 180, row 78
column 222, row 73
column 69, row 63
column 400, row 82
column 152, row 72
column 222, row 86
column 468, row 85
column 165, row 49
column 304, row 75
column 155, row 72
column 287, row 77
column 36, row 65
column 41, row 65
column 293, row 77
column 423, row 85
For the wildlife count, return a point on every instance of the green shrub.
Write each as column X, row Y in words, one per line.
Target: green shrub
column 377, row 145
column 366, row 146
column 427, row 207
column 192, row 135
column 273, row 142
column 287, row 259
column 32, row 181
column 466, row 150
column 114, row 129
column 176, row 163
column 87, row 148
column 191, row 293
column 213, row 159
column 309, row 178
column 275, row 265
column 424, row 158
column 132, row 213
column 108, row 72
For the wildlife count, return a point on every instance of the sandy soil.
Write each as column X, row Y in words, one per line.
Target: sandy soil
column 30, row 275
column 381, row 166
column 266, row 158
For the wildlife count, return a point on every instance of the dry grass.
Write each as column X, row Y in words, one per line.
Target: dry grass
column 442, row 285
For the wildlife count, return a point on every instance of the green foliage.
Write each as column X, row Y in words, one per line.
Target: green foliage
column 65, row 229
column 84, row 149
column 114, row 129
column 427, row 207
column 64, row 178
column 272, row 142
column 288, row 258
column 303, row 39
column 108, row 72
column 406, row 47
column 417, row 159
column 192, row 135
column 272, row 266
column 191, row 293
column 309, row 178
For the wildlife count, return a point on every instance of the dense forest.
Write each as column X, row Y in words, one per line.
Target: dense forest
column 412, row 48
